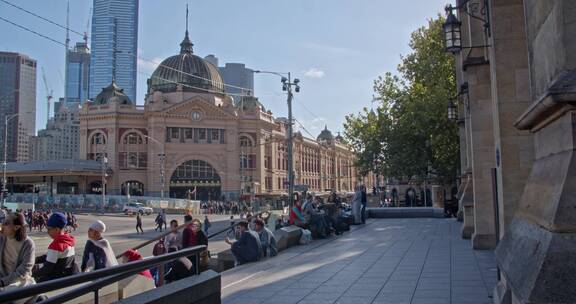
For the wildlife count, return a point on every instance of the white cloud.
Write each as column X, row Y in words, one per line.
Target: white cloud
column 314, row 73
column 148, row 65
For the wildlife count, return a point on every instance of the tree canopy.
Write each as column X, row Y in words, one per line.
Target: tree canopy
column 408, row 135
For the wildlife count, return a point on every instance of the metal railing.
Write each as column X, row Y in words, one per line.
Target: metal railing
column 104, row 277
column 99, row 278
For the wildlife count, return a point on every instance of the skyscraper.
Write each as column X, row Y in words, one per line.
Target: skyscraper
column 18, row 103
column 78, row 74
column 238, row 79
column 114, row 45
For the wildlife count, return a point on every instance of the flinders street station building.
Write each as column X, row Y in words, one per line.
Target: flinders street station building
column 190, row 139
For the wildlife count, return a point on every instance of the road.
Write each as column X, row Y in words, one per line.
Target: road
column 121, row 232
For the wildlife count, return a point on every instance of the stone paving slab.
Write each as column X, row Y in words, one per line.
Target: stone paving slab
column 412, row 261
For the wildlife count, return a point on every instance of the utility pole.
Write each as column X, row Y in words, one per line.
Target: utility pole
column 162, row 164
column 104, row 160
column 162, row 173
column 287, row 85
column 7, row 119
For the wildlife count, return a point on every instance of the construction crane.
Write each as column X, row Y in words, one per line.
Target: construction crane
column 87, row 27
column 49, row 95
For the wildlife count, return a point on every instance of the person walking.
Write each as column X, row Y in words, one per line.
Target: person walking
column 139, row 223
column 164, row 219
column 158, row 222
column 207, row 224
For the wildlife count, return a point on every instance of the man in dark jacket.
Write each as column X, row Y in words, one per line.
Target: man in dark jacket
column 247, row 248
column 178, row 269
column 59, row 259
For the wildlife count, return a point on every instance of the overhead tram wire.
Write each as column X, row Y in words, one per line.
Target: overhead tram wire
column 60, row 43
column 167, row 80
column 45, row 19
column 304, row 128
column 196, row 76
column 136, row 56
column 32, row 31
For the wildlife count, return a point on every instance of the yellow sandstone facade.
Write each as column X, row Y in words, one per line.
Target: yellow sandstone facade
column 189, row 135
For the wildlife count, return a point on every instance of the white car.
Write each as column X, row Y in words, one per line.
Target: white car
column 132, row 208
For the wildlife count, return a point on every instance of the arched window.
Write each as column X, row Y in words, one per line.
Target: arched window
column 98, row 139
column 245, row 141
column 133, row 138
column 132, row 152
column 195, row 170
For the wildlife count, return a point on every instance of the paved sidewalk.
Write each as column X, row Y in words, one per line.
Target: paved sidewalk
column 388, row 261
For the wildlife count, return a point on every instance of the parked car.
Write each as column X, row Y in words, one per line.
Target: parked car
column 132, row 208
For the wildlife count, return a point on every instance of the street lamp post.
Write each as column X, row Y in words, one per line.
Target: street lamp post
column 162, row 164
column 7, row 119
column 104, row 160
column 287, row 85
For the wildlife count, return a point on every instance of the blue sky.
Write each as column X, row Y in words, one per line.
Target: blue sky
column 336, row 47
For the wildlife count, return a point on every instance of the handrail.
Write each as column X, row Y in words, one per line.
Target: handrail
column 224, row 230
column 116, row 272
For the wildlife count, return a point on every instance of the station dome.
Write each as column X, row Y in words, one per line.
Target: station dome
column 192, row 72
column 112, row 93
column 325, row 135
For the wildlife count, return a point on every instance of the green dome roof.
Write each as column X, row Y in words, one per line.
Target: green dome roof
column 179, row 69
column 325, row 135
column 112, row 93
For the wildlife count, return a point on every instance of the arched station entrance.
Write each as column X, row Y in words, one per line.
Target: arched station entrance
column 195, row 179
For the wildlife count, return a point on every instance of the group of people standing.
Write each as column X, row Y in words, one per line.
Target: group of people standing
column 223, row 207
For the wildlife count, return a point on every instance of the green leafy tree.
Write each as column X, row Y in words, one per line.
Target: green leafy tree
column 409, row 136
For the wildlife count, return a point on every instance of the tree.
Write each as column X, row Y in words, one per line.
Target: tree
column 409, row 136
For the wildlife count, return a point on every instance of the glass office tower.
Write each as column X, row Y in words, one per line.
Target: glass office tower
column 114, row 39
column 78, row 72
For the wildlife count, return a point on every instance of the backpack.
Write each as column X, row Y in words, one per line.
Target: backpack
column 159, row 248
column 306, row 237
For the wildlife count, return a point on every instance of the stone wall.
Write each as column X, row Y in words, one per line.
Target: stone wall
column 537, row 253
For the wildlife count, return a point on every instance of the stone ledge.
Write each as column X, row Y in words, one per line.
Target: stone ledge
column 286, row 237
column 557, row 100
column 406, row 212
column 203, row 288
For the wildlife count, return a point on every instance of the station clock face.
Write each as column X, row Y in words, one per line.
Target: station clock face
column 196, row 115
